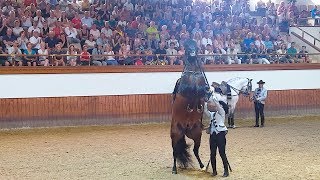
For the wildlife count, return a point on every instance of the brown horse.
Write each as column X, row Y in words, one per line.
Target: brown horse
column 191, row 92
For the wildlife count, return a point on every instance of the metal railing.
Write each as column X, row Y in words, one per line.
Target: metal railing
column 158, row 58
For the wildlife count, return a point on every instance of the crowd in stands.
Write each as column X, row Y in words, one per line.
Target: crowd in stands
column 138, row 32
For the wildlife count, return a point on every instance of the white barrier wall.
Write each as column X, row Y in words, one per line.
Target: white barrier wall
column 61, row 85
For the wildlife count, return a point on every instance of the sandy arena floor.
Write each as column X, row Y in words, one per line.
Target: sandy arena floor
column 286, row 148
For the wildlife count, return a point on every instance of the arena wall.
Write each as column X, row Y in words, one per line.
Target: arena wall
column 116, row 96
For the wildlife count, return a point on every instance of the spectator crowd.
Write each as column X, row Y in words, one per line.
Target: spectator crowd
column 143, row 32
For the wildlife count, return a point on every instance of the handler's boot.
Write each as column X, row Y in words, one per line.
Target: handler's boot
column 214, row 168
column 226, row 168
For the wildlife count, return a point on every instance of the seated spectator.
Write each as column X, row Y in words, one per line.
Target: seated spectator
column 268, row 44
column 153, row 42
column 62, row 39
column 172, row 55
column 102, row 40
column 90, row 43
column 138, row 59
column 209, row 51
column 15, row 53
column 206, row 40
column 247, row 41
column 124, row 58
column 76, row 21
column 263, row 57
column 164, row 33
column 106, row 30
column 282, row 54
column 232, row 55
column 99, row 22
column 22, row 41
column 251, row 52
column 149, row 59
column 9, row 38
column 152, row 30
column 160, row 53
column 3, row 59
column 71, row 33
column 85, row 56
column 87, row 20
column 51, row 41
column 43, row 55
column 110, row 58
column 97, row 56
column 292, row 53
column 94, row 32
column 58, row 58
column 33, row 28
column 17, row 28
column 30, row 57
column 315, row 15
column 303, row 55
column 35, row 40
column 72, row 58
column 57, row 28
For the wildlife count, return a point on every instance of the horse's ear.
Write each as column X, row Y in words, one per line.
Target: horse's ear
column 250, row 80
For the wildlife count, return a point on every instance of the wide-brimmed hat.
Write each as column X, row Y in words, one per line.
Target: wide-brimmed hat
column 261, row 82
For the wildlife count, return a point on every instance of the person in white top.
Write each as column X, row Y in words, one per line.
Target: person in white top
column 17, row 28
column 172, row 52
column 110, row 59
column 218, row 130
column 43, row 52
column 71, row 33
column 72, row 58
column 209, row 51
column 13, row 51
column 206, row 40
column 35, row 40
column 232, row 55
column 95, row 32
column 128, row 5
column 106, row 30
column 33, row 28
column 39, row 19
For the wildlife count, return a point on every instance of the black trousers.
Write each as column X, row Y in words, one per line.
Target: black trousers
column 218, row 141
column 259, row 110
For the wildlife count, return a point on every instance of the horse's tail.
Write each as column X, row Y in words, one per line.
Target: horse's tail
column 181, row 152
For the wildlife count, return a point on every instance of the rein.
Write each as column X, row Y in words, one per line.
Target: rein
column 239, row 91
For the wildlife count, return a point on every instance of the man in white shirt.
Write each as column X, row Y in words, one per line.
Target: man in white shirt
column 128, row 5
column 33, row 28
column 259, row 97
column 71, row 33
column 232, row 55
column 206, row 40
column 106, row 30
column 35, row 40
column 171, row 51
column 87, row 20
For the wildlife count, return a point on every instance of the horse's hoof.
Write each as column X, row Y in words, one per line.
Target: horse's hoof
column 225, row 174
column 214, row 173
column 203, row 169
column 174, row 171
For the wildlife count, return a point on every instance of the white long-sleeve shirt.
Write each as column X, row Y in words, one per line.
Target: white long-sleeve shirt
column 261, row 95
column 71, row 32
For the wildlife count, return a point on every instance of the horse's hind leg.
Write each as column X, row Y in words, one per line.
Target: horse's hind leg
column 196, row 134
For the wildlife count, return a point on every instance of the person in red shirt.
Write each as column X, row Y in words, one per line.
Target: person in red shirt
column 76, row 21
column 85, row 56
column 28, row 2
column 57, row 29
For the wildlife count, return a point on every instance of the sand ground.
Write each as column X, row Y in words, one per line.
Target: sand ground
column 287, row 148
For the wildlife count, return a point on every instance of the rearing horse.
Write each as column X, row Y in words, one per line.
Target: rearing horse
column 187, row 109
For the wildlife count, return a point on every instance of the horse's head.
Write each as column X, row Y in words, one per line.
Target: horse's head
column 241, row 85
column 193, row 83
column 247, row 87
column 191, row 50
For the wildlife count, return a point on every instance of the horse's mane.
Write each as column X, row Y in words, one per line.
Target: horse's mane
column 235, row 79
